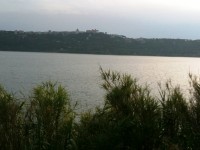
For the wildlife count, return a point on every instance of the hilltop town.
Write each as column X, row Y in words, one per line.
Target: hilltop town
column 77, row 31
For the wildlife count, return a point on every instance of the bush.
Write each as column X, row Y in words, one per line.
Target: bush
column 131, row 118
column 11, row 136
column 50, row 118
column 175, row 121
column 46, row 123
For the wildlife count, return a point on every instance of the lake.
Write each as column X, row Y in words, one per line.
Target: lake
column 79, row 73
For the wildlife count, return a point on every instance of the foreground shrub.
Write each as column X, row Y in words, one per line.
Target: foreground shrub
column 50, row 118
column 11, row 136
column 195, row 111
column 175, row 121
column 131, row 118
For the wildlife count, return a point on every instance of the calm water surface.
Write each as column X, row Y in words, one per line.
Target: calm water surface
column 20, row 71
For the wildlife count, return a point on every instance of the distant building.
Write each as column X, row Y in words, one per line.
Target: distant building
column 92, row 31
column 77, row 31
column 116, row 35
column 141, row 40
column 18, row 31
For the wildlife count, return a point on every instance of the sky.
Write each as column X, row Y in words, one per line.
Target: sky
column 132, row 18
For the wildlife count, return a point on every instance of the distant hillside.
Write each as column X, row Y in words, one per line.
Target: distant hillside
column 95, row 43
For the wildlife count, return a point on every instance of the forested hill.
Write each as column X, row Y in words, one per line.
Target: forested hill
column 95, row 43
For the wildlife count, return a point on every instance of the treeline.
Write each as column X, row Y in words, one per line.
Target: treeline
column 95, row 43
column 131, row 118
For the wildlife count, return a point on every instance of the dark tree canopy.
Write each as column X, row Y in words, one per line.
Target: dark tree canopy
column 95, row 43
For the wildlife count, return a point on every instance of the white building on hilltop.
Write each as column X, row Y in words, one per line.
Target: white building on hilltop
column 92, row 31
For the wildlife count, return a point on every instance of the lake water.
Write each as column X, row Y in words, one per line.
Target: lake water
column 79, row 73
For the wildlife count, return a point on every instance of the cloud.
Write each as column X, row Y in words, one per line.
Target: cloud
column 113, row 7
column 131, row 17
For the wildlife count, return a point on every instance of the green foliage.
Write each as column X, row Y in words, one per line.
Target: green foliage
column 95, row 43
column 51, row 117
column 195, row 110
column 46, row 123
column 131, row 118
column 176, row 131
column 11, row 136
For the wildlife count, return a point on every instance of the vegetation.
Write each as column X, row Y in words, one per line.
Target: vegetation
column 95, row 43
column 45, row 123
column 131, row 118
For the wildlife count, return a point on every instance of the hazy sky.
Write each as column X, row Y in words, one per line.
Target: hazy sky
column 133, row 18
